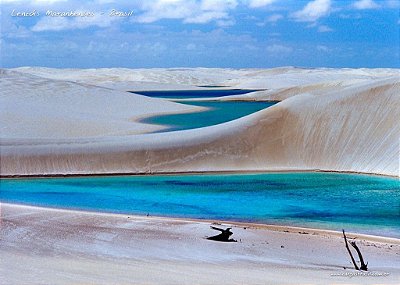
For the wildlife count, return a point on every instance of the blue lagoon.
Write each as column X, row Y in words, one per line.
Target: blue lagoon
column 186, row 94
column 361, row 203
column 218, row 112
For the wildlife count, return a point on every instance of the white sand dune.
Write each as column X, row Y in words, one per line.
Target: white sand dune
column 139, row 79
column 332, row 119
column 190, row 78
column 46, row 246
column 35, row 107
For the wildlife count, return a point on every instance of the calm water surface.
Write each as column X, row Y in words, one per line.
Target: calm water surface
column 185, row 94
column 366, row 204
column 219, row 112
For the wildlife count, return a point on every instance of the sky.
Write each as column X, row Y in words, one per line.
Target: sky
column 200, row 33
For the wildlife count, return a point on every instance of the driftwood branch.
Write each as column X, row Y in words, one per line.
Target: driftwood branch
column 353, row 244
column 223, row 236
column 348, row 250
column 363, row 265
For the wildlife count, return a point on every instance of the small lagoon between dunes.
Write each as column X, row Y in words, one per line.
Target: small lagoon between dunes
column 218, row 112
column 358, row 203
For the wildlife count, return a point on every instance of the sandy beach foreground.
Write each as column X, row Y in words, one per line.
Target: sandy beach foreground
column 51, row 246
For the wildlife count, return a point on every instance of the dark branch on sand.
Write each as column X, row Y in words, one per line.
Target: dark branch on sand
column 353, row 244
column 223, row 236
column 363, row 265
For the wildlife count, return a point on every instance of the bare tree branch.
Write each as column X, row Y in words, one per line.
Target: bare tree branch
column 223, row 236
column 351, row 255
column 363, row 265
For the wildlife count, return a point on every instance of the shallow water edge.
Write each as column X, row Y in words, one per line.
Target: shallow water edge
column 271, row 227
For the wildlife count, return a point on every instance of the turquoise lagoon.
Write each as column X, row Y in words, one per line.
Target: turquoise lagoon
column 359, row 203
column 218, row 112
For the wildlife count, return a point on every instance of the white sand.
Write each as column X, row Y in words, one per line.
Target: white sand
column 45, row 246
column 333, row 119
column 34, row 107
column 190, row 78
column 140, row 79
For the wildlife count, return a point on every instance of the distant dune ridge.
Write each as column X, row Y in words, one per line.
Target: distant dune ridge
column 81, row 122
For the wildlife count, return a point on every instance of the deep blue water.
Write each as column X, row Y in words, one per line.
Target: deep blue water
column 185, row 94
column 219, row 112
column 366, row 204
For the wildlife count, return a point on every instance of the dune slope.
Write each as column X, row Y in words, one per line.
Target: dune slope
column 354, row 128
column 36, row 107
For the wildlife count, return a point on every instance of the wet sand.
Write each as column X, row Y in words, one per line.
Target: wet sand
column 52, row 246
